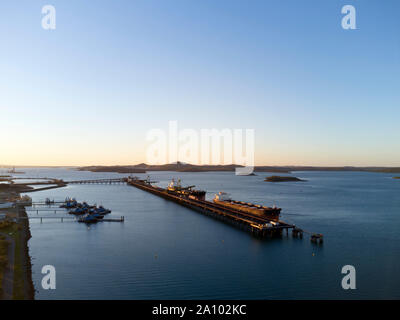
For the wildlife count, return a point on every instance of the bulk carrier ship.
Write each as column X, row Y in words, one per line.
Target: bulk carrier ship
column 259, row 220
column 224, row 199
column 189, row 192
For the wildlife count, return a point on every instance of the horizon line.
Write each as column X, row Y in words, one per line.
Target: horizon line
column 199, row 165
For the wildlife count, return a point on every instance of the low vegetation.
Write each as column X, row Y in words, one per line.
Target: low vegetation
column 13, row 230
column 3, row 259
column 5, row 224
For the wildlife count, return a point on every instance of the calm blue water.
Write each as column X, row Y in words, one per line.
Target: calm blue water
column 165, row 251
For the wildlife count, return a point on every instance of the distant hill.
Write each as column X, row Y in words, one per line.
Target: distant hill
column 185, row 167
column 118, row 169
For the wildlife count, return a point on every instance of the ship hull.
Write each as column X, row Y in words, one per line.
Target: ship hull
column 193, row 194
column 272, row 213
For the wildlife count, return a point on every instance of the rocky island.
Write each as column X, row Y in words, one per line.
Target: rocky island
column 281, row 179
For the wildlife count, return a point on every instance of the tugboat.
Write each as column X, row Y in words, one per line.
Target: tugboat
column 223, row 199
column 97, row 216
column 188, row 192
column 69, row 204
column 86, row 206
column 100, row 210
column 91, row 218
column 88, row 219
column 78, row 211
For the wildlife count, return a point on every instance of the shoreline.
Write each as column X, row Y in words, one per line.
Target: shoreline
column 29, row 289
column 23, row 288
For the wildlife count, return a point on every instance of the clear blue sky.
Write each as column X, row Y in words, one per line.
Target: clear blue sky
column 87, row 92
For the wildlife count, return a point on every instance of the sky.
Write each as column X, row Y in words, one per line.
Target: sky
column 89, row 91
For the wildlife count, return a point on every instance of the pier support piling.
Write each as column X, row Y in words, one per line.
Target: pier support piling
column 317, row 238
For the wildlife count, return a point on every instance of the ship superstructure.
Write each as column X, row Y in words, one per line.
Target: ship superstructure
column 175, row 187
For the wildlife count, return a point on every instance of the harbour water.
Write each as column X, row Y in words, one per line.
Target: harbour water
column 165, row 251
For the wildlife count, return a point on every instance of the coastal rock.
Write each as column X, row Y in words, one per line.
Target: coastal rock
column 281, row 179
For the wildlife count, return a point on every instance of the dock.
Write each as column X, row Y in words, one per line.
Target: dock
column 257, row 225
column 45, row 210
column 122, row 219
column 41, row 218
column 44, row 207
column 99, row 181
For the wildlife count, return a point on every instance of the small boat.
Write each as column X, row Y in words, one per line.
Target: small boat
column 78, row 211
column 97, row 216
column 48, row 201
column 88, row 219
column 69, row 204
column 102, row 210
column 86, row 205
column 91, row 218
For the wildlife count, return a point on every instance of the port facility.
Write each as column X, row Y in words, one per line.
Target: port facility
column 256, row 224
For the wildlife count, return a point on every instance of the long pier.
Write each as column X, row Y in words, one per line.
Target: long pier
column 55, row 210
column 257, row 225
column 99, row 181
